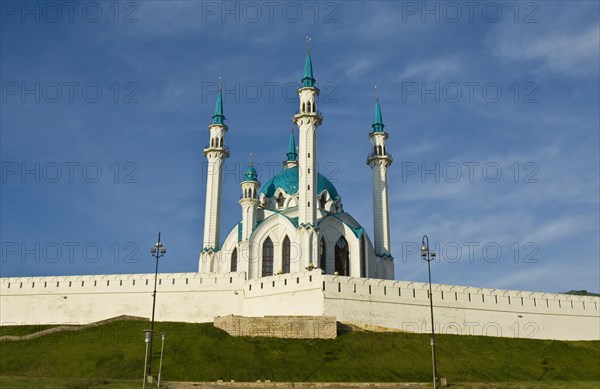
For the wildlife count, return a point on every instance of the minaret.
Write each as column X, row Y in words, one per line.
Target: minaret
column 249, row 200
column 292, row 155
column 379, row 160
column 308, row 120
column 216, row 153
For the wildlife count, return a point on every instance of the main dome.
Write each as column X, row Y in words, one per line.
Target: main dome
column 287, row 180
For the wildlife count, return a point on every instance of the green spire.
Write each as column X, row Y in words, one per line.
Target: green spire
column 218, row 117
column 251, row 174
column 377, row 120
column 308, row 79
column 291, row 153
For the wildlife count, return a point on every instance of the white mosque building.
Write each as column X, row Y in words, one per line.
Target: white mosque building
column 295, row 220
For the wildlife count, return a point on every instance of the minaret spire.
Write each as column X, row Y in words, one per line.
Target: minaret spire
column 308, row 80
column 379, row 160
column 216, row 152
column 219, row 117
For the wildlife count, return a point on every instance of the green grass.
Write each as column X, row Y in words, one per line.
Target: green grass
column 66, row 383
column 200, row 352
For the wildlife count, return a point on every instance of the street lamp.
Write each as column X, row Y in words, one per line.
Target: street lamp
column 157, row 252
column 429, row 255
column 163, row 335
column 147, row 339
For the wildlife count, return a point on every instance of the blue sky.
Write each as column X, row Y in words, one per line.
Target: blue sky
column 492, row 115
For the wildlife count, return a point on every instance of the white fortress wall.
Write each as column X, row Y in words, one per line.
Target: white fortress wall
column 199, row 297
column 462, row 310
column 295, row 294
column 185, row 297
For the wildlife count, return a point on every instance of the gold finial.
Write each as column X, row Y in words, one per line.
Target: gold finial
column 308, row 39
column 376, row 89
column 251, row 163
column 220, row 84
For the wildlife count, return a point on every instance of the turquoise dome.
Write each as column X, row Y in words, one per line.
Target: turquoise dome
column 250, row 174
column 288, row 181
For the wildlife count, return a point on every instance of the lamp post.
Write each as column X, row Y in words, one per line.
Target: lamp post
column 429, row 255
column 147, row 337
column 157, row 252
column 163, row 335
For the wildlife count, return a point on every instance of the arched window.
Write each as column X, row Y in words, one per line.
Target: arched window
column 322, row 258
column 285, row 255
column 212, row 142
column 309, row 110
column 363, row 262
column 342, row 257
column 267, row 258
column 234, row 260
column 280, row 200
column 322, row 201
column 379, row 150
column 221, row 142
column 303, row 107
column 315, row 106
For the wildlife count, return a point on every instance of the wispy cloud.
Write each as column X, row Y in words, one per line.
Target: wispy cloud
column 434, row 69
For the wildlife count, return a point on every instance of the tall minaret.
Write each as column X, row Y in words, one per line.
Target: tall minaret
column 379, row 160
column 249, row 200
column 216, row 153
column 308, row 120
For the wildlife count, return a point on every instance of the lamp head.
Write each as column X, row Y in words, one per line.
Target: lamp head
column 432, row 254
column 163, row 250
column 153, row 250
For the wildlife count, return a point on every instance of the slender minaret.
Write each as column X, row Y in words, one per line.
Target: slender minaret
column 249, row 200
column 215, row 153
column 308, row 120
column 379, row 160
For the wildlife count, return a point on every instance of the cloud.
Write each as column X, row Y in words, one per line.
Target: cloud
column 435, row 69
column 574, row 54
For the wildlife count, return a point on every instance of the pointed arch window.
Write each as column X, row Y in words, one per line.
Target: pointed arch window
column 342, row 257
column 280, row 200
column 363, row 259
column 322, row 201
column 221, row 143
column 267, row 258
column 286, row 255
column 322, row 258
column 234, row 260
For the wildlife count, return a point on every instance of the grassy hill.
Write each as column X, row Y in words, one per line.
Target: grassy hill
column 200, row 352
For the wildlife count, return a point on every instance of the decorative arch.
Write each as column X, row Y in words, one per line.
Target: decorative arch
column 286, row 255
column 342, row 257
column 234, row 260
column 267, row 258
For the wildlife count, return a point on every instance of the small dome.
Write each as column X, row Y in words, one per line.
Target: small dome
column 287, row 180
column 250, row 174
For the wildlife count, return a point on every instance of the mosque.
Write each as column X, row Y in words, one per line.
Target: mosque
column 296, row 220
